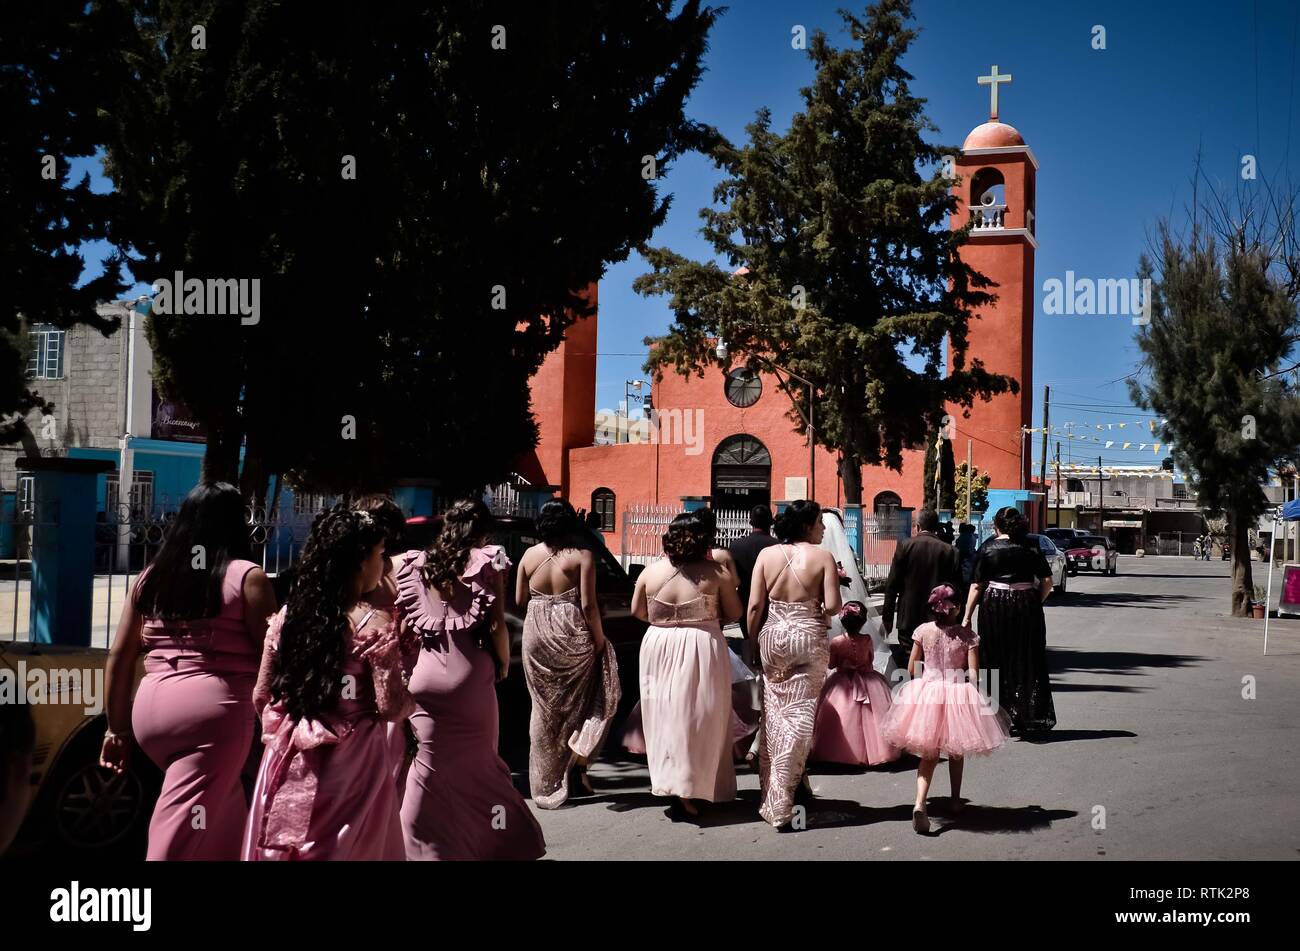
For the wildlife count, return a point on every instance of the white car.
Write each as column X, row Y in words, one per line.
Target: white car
column 1056, row 560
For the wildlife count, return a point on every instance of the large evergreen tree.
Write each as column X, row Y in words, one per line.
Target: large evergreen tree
column 853, row 278
column 49, row 83
column 499, row 154
column 1222, row 319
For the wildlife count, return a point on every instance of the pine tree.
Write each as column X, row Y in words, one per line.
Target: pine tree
column 1222, row 319
column 851, row 268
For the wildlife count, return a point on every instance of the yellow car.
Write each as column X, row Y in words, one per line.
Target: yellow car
column 76, row 805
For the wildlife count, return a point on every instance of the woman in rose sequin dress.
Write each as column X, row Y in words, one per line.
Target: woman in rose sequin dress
column 331, row 681
column 460, row 801
column 570, row 667
column 796, row 587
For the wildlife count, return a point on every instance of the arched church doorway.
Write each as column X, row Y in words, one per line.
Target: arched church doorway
column 742, row 473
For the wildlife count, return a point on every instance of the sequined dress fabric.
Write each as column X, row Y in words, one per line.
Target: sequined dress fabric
column 575, row 692
column 795, row 653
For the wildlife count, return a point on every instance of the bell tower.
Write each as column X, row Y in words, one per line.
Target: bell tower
column 995, row 190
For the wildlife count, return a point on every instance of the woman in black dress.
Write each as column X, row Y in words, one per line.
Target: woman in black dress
column 1009, row 581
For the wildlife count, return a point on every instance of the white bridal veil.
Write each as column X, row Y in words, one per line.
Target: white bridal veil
column 836, row 542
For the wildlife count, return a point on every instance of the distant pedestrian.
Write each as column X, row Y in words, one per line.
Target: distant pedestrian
column 745, row 552
column 920, row 563
column 967, row 545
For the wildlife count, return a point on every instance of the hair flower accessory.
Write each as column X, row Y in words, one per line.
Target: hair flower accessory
column 941, row 599
column 851, row 609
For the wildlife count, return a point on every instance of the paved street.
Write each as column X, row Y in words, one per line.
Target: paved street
column 1152, row 726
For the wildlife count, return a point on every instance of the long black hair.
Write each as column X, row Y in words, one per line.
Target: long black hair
column 558, row 525
column 797, row 520
column 185, row 578
column 465, row 526
column 308, row 672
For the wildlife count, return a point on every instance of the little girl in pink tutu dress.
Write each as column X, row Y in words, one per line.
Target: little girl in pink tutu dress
column 854, row 700
column 942, row 712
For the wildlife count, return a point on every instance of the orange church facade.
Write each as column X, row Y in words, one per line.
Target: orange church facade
column 727, row 438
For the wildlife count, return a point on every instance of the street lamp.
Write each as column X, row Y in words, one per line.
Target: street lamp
column 628, row 386
column 722, row 351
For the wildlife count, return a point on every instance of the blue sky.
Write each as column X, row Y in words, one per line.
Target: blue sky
column 1116, row 132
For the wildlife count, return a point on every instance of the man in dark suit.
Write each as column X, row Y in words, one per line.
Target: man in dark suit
column 920, row 563
column 745, row 550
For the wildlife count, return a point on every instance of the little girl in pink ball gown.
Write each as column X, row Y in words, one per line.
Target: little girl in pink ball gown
column 942, row 712
column 854, row 700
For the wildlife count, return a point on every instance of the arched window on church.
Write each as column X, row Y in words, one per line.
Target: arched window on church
column 886, row 503
column 602, row 504
column 988, row 200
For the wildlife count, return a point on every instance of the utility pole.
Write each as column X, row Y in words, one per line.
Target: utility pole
column 1024, row 435
column 1058, row 483
column 1101, row 500
column 970, row 516
column 1042, row 472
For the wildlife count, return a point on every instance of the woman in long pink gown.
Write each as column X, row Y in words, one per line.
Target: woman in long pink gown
column 854, row 700
column 200, row 623
column 331, row 680
column 686, row 668
column 460, row 802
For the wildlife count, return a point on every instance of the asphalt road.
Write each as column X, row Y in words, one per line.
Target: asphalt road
column 1156, row 755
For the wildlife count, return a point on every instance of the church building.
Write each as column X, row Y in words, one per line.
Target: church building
column 726, row 440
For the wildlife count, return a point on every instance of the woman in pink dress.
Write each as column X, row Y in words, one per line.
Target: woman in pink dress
column 854, row 700
column 199, row 614
column 686, row 668
column 943, row 713
column 460, row 801
column 330, row 682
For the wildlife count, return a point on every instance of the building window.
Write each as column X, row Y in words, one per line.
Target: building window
column 46, row 359
column 743, row 387
column 602, row 504
column 26, row 494
column 887, row 504
column 141, row 501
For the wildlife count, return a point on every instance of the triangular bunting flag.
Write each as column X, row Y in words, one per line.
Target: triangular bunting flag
column 1109, row 443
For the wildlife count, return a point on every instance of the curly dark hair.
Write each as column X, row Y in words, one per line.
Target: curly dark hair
column 212, row 518
column 794, row 524
column 390, row 517
column 1011, row 523
column 708, row 520
column 687, row 539
column 465, row 526
column 558, row 525
column 308, row 672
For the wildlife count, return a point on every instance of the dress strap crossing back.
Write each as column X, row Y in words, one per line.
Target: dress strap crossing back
column 794, row 573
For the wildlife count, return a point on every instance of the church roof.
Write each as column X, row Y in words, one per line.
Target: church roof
column 992, row 135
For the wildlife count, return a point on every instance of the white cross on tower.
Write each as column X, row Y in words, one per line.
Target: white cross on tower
column 993, row 80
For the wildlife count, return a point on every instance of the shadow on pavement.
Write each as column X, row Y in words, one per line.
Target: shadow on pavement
column 1114, row 599
column 1069, row 736
column 1063, row 659
column 998, row 819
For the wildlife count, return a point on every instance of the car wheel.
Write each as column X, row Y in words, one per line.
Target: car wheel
column 91, row 809
column 1064, row 575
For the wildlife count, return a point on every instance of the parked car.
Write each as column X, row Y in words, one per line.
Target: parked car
column 1061, row 536
column 1056, row 560
column 614, row 588
column 77, row 806
column 1093, row 553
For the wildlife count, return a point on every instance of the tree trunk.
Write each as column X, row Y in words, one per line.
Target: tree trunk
column 851, row 477
column 221, row 459
column 1243, row 584
column 254, row 479
column 31, row 448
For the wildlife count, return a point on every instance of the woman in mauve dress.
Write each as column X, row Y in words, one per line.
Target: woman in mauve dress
column 570, row 667
column 796, row 586
column 686, row 668
column 330, row 682
column 199, row 614
column 460, row 801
